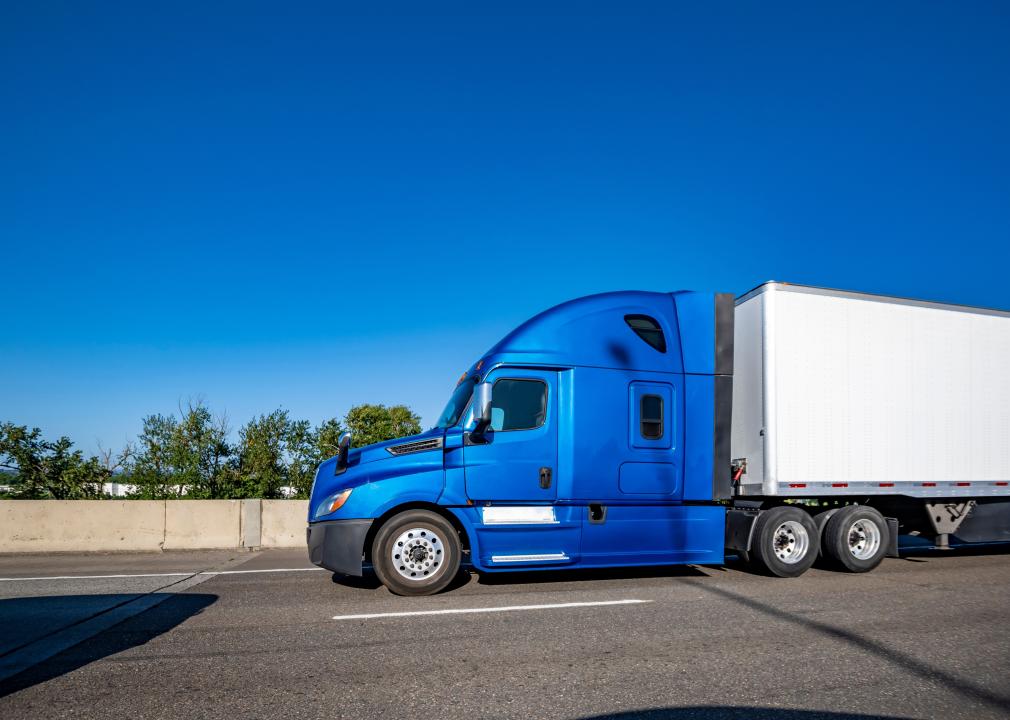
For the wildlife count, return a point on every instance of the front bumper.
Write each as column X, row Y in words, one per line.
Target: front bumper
column 338, row 545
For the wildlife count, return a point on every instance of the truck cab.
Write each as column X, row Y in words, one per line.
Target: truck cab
column 595, row 434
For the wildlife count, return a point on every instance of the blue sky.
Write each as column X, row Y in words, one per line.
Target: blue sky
column 314, row 205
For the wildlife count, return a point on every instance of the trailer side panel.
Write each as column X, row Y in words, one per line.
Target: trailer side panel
column 867, row 395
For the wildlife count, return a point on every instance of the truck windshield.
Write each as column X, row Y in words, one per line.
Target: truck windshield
column 457, row 403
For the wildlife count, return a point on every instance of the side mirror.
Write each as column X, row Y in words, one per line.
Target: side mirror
column 481, row 407
column 344, row 445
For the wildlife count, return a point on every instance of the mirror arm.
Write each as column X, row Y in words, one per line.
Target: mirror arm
column 481, row 409
column 480, row 428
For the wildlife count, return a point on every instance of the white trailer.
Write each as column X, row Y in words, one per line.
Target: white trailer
column 849, row 401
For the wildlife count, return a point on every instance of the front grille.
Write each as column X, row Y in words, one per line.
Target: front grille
column 416, row 446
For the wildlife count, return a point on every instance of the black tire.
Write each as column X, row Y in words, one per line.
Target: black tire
column 785, row 542
column 436, row 547
column 856, row 539
column 820, row 522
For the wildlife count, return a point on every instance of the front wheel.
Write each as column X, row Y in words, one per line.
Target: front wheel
column 416, row 553
column 785, row 541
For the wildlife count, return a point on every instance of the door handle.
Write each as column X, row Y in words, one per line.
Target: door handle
column 545, row 477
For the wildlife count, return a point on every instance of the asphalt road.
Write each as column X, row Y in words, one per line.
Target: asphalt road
column 922, row 637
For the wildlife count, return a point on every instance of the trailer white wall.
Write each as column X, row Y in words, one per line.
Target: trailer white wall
column 839, row 393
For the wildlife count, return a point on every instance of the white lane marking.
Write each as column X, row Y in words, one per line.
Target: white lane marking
column 265, row 570
column 175, row 574
column 95, row 577
column 507, row 608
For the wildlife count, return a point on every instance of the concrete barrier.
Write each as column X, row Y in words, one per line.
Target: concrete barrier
column 195, row 524
column 28, row 526
column 251, row 524
column 283, row 523
column 67, row 525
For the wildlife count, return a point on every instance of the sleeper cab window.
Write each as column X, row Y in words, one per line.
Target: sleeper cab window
column 648, row 329
column 651, row 417
column 518, row 404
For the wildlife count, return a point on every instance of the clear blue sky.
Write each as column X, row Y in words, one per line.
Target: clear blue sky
column 311, row 206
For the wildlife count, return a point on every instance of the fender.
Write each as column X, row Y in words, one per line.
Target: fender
column 465, row 515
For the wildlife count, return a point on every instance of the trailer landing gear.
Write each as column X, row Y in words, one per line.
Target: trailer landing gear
column 947, row 518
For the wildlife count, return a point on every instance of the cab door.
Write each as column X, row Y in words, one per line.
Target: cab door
column 515, row 459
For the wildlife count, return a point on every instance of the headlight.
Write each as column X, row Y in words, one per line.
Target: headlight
column 333, row 503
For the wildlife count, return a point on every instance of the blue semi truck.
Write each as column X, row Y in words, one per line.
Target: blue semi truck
column 645, row 428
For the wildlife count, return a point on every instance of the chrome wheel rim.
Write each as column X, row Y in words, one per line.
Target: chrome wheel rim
column 418, row 554
column 790, row 542
column 864, row 539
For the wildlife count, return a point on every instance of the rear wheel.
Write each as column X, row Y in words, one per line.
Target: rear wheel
column 856, row 538
column 416, row 553
column 785, row 542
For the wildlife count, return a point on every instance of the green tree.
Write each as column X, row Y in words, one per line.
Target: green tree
column 183, row 457
column 152, row 472
column 404, row 422
column 200, row 450
column 10, row 484
column 303, row 455
column 375, row 423
column 276, row 451
column 48, row 470
column 327, row 438
column 189, row 455
column 262, row 464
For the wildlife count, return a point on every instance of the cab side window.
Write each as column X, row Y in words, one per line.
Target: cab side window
column 651, row 414
column 648, row 329
column 518, row 404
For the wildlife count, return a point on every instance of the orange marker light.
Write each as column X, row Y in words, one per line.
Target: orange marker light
column 339, row 500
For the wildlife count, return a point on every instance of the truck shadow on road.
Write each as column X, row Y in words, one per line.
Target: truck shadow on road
column 703, row 712
column 908, row 663
column 130, row 633
column 368, row 581
column 589, row 574
column 924, row 553
column 466, row 576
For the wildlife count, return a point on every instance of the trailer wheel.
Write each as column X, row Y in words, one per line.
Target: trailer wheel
column 785, row 542
column 856, row 538
column 416, row 553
